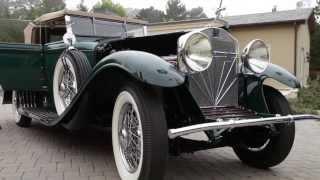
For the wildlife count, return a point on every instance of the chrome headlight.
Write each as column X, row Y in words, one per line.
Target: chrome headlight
column 256, row 56
column 195, row 51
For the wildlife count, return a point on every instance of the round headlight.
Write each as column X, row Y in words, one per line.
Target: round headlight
column 256, row 56
column 198, row 52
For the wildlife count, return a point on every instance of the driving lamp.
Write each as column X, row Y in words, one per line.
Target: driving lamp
column 256, row 56
column 196, row 51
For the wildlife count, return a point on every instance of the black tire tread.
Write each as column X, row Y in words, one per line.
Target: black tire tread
column 280, row 145
column 81, row 64
column 24, row 122
column 154, row 131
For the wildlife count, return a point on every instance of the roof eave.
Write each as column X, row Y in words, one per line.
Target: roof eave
column 269, row 23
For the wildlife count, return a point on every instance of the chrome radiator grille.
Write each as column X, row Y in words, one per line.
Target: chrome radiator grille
column 218, row 85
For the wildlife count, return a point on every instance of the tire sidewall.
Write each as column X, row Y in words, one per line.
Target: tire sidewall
column 154, row 134
column 280, row 145
column 60, row 107
column 16, row 114
column 20, row 120
column 124, row 97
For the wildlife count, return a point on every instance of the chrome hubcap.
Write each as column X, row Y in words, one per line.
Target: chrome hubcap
column 67, row 83
column 130, row 137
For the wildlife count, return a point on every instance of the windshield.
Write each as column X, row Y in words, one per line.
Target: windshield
column 90, row 27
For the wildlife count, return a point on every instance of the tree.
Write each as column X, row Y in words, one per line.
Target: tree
column 82, row 7
column 175, row 10
column 196, row 13
column 47, row 6
column 151, row 15
column 12, row 30
column 4, row 9
column 31, row 9
column 24, row 9
column 109, row 7
column 317, row 9
column 315, row 41
column 315, row 48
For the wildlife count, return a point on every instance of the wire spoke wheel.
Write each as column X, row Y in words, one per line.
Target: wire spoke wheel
column 130, row 137
column 71, row 71
column 21, row 120
column 67, row 82
column 139, row 134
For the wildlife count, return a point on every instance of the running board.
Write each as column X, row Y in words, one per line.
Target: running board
column 41, row 114
column 173, row 133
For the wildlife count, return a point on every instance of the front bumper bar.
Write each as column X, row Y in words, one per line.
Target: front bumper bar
column 173, row 133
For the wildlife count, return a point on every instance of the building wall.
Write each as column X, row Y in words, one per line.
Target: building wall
column 303, row 53
column 279, row 38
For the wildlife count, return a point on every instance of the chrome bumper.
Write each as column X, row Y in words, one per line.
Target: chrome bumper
column 173, row 133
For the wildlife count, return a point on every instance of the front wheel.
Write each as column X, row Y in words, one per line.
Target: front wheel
column 139, row 134
column 264, row 147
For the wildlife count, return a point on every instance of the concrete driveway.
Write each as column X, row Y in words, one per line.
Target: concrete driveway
column 54, row 153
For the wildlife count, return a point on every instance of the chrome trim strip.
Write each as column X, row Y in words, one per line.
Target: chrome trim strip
column 224, row 52
column 226, row 91
column 224, row 82
column 173, row 133
column 170, row 58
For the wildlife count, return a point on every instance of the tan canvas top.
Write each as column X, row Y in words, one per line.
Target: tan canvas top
column 62, row 13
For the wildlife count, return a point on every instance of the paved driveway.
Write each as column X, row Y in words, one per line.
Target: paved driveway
column 54, row 153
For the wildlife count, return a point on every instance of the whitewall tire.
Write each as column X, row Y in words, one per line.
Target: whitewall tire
column 127, row 169
column 65, row 84
column 139, row 134
column 1, row 95
column 21, row 120
column 70, row 73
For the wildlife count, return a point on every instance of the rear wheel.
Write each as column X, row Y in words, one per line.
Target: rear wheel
column 264, row 147
column 139, row 134
column 21, row 120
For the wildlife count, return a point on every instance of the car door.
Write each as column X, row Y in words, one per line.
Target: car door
column 21, row 67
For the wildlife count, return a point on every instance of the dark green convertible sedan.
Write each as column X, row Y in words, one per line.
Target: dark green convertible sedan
column 78, row 69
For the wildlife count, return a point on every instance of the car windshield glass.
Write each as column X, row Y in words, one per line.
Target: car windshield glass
column 89, row 27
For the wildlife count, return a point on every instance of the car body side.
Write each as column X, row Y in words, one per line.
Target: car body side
column 30, row 67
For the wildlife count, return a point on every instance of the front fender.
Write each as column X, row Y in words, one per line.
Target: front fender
column 251, row 93
column 280, row 74
column 144, row 67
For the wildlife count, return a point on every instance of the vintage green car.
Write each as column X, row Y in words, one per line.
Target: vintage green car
column 81, row 68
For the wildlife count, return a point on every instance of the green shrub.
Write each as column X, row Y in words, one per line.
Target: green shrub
column 12, row 30
column 308, row 100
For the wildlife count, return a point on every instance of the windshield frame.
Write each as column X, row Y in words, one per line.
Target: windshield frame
column 92, row 27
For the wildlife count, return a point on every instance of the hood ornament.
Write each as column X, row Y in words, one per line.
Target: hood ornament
column 219, row 10
column 218, row 21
